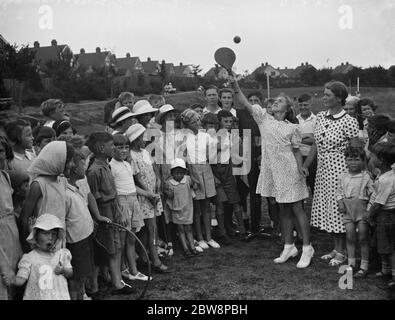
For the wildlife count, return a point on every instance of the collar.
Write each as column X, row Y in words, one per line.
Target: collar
column 71, row 187
column 205, row 110
column 100, row 162
column 20, row 156
column 176, row 183
column 336, row 116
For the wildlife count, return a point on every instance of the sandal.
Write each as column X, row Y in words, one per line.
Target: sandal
column 161, row 268
column 329, row 256
column 337, row 260
column 361, row 273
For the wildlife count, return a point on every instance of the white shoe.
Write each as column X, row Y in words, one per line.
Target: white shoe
column 286, row 254
column 214, row 222
column 203, row 244
column 305, row 259
column 213, row 244
column 198, row 249
column 85, row 297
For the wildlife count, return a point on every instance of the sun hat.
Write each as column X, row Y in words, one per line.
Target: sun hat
column 143, row 107
column 178, row 163
column 134, row 131
column 162, row 111
column 120, row 114
column 46, row 222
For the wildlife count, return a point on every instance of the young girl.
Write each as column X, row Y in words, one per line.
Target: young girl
column 354, row 190
column 48, row 188
column 282, row 175
column 146, row 179
column 10, row 248
column 198, row 146
column 179, row 193
column 42, row 136
column 382, row 210
column 47, row 267
column 127, row 193
column 19, row 133
column 63, row 128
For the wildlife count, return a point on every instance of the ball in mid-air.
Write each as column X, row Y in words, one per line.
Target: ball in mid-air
column 236, row 39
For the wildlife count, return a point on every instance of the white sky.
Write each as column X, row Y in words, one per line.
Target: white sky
column 281, row 32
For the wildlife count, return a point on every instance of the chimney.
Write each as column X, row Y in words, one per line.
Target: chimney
column 306, row 64
column 266, row 64
column 148, row 59
column 286, row 68
column 262, row 64
column 181, row 64
column 82, row 51
column 342, row 64
column 54, row 43
column 347, row 63
column 128, row 55
column 302, row 64
column 36, row 44
column 98, row 50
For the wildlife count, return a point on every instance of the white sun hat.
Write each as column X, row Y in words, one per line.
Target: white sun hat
column 134, row 131
column 143, row 107
column 178, row 163
column 46, row 222
column 163, row 110
column 121, row 114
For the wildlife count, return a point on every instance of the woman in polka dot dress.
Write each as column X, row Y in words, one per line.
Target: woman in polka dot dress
column 334, row 130
column 282, row 175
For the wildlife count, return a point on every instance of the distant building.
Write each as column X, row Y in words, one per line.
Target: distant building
column 267, row 69
column 183, row 70
column 343, row 68
column 286, row 73
column 151, row 66
column 298, row 70
column 169, row 68
column 94, row 61
column 128, row 65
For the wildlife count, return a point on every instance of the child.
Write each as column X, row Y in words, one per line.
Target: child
column 20, row 185
column 102, row 186
column 179, row 195
column 19, row 133
column 127, row 192
column 63, row 128
column 10, row 248
column 146, row 179
column 47, row 191
column 42, row 136
column 53, row 110
column 122, row 119
column 198, row 146
column 223, row 171
column 354, row 190
column 382, row 210
column 47, row 267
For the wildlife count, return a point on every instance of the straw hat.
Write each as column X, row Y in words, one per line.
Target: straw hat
column 134, row 131
column 46, row 222
column 143, row 107
column 178, row 163
column 162, row 111
column 121, row 114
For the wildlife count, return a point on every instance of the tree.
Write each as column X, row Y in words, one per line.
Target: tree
column 196, row 70
column 323, row 76
column 309, row 76
column 391, row 76
column 162, row 72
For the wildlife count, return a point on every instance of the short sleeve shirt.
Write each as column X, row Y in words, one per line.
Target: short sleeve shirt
column 101, row 181
column 123, row 177
column 385, row 190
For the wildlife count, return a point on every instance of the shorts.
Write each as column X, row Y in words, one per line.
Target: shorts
column 131, row 209
column 385, row 231
column 355, row 211
column 205, row 177
column 83, row 262
column 223, row 172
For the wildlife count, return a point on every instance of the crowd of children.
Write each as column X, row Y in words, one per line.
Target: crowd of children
column 67, row 201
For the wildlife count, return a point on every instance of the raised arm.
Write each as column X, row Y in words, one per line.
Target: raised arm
column 239, row 95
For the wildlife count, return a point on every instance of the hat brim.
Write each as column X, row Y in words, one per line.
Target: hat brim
column 124, row 117
column 135, row 135
column 160, row 115
column 151, row 110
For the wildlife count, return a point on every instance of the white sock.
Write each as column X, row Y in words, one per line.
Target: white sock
column 288, row 246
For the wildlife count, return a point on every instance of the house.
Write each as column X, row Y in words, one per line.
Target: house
column 267, row 69
column 183, row 70
column 151, row 66
column 343, row 68
column 128, row 65
column 286, row 73
column 217, row 73
column 169, row 68
column 42, row 55
column 303, row 66
column 95, row 60
column 3, row 42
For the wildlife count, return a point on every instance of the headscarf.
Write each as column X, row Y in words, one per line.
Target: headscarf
column 50, row 161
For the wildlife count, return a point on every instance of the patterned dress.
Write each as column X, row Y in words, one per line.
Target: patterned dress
column 279, row 176
column 332, row 134
column 142, row 163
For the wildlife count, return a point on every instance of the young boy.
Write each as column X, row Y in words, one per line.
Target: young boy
column 102, row 186
column 53, row 110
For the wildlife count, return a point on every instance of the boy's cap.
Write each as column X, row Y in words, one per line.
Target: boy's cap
column 163, row 110
column 45, row 222
column 178, row 163
column 121, row 114
column 134, row 131
column 143, row 107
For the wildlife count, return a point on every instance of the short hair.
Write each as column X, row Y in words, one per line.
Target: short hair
column 211, row 87
column 355, row 151
column 9, row 154
column 96, row 138
column 125, row 95
column 385, row 151
column 226, row 90
column 255, row 93
column 367, row 102
column 61, row 125
column 155, row 97
column 210, row 118
column 41, row 133
column 14, row 130
column 224, row 114
column 120, row 139
column 304, row 97
column 49, row 106
column 339, row 89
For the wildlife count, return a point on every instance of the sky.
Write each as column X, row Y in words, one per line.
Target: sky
column 280, row 32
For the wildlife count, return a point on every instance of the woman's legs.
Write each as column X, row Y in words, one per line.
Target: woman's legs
column 302, row 221
column 363, row 235
column 274, row 213
column 351, row 237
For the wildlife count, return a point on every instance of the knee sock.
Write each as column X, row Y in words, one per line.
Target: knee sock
column 364, row 264
column 351, row 262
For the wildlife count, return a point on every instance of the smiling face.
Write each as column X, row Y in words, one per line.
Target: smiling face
column 68, row 133
column 46, row 239
column 367, row 111
column 354, row 164
column 305, row 108
column 121, row 151
column 226, row 100
column 212, row 97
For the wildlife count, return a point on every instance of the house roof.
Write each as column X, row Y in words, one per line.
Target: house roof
column 343, row 68
column 262, row 69
column 94, row 59
column 169, row 67
column 288, row 72
column 45, row 54
column 150, row 66
column 180, row 70
column 127, row 63
column 298, row 70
